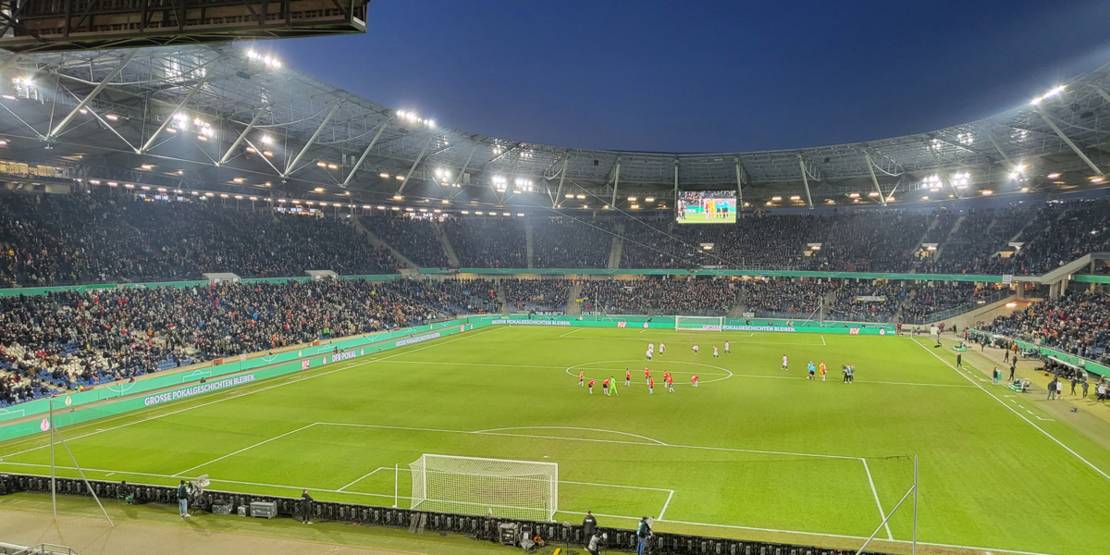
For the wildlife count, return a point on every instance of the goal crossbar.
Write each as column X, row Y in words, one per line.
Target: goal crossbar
column 485, row 486
column 699, row 323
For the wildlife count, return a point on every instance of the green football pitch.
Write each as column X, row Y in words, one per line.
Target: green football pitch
column 754, row 452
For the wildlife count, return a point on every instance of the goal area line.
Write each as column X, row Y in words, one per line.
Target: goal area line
column 708, row 525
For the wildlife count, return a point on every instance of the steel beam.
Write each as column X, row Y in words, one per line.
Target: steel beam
column 457, row 182
column 415, row 163
column 289, row 167
column 89, row 97
column 239, row 139
column 1074, row 148
column 169, row 119
column 365, row 153
column 559, row 190
column 805, row 180
column 874, row 180
column 739, row 185
column 616, row 183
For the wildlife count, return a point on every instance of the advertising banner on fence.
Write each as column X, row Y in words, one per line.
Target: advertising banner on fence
column 521, row 322
column 197, row 390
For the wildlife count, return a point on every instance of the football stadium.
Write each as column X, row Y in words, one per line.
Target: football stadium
column 246, row 310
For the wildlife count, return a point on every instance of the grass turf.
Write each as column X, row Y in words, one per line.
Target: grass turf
column 754, row 452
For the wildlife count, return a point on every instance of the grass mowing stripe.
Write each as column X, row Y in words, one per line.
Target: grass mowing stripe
column 1019, row 415
column 240, row 393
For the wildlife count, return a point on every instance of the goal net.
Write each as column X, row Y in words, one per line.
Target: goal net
column 477, row 486
column 699, row 323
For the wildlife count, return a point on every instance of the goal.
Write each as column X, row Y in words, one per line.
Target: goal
column 477, row 486
column 699, row 323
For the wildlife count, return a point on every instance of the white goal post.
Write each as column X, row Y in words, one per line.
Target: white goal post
column 699, row 323
column 526, row 490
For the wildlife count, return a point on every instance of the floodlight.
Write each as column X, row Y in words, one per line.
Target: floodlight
column 267, row 139
column 1053, row 175
column 1053, row 92
column 398, row 197
column 776, row 198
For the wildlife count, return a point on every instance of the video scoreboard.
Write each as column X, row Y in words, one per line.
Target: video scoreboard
column 705, row 207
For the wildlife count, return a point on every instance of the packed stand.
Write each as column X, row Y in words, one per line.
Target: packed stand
column 414, row 238
column 1078, row 323
column 693, row 296
column 73, row 339
column 104, row 237
column 785, row 297
column 559, row 242
column 541, row 295
column 493, row 242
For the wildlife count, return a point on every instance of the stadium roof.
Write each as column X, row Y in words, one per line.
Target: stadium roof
column 231, row 117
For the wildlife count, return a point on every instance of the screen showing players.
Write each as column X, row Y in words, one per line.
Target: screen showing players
column 706, row 207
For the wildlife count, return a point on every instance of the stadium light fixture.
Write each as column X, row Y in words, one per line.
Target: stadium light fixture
column 581, row 197
column 111, row 117
column 445, row 201
column 873, row 194
column 318, row 189
column 1025, row 189
column 965, row 138
column 253, row 198
column 380, row 207
column 423, row 209
column 395, row 208
column 3, row 143
column 986, row 192
column 466, row 212
column 94, row 182
column 649, row 199
column 113, row 184
column 506, row 214
column 635, row 207
column 145, row 187
column 924, row 197
column 520, row 214
column 776, row 198
column 147, row 167
column 568, row 195
column 1053, row 175
column 1053, row 92
column 383, row 175
column 796, row 198
column 398, row 197
column 606, row 207
column 399, row 177
column 1096, row 179
column 1017, row 172
column 238, row 180
column 853, row 196
column 632, row 199
column 960, row 180
column 267, row 139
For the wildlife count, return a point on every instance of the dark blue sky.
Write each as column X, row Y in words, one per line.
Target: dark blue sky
column 708, row 76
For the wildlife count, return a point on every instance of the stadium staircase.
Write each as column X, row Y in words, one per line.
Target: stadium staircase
column 949, row 235
column 617, row 247
column 452, row 258
column 933, row 224
column 377, row 242
column 530, row 244
column 573, row 307
column 501, row 300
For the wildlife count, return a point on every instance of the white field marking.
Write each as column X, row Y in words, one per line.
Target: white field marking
column 1023, row 417
column 572, row 482
column 245, row 449
column 590, row 440
column 622, row 517
column 666, row 504
column 709, row 340
column 363, row 477
column 634, row 518
column 814, row 534
column 109, row 475
column 603, row 430
column 293, row 379
column 214, row 480
column 879, row 504
column 572, row 332
column 823, row 343
column 634, row 364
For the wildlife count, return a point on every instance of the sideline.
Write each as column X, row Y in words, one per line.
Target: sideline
column 1019, row 415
